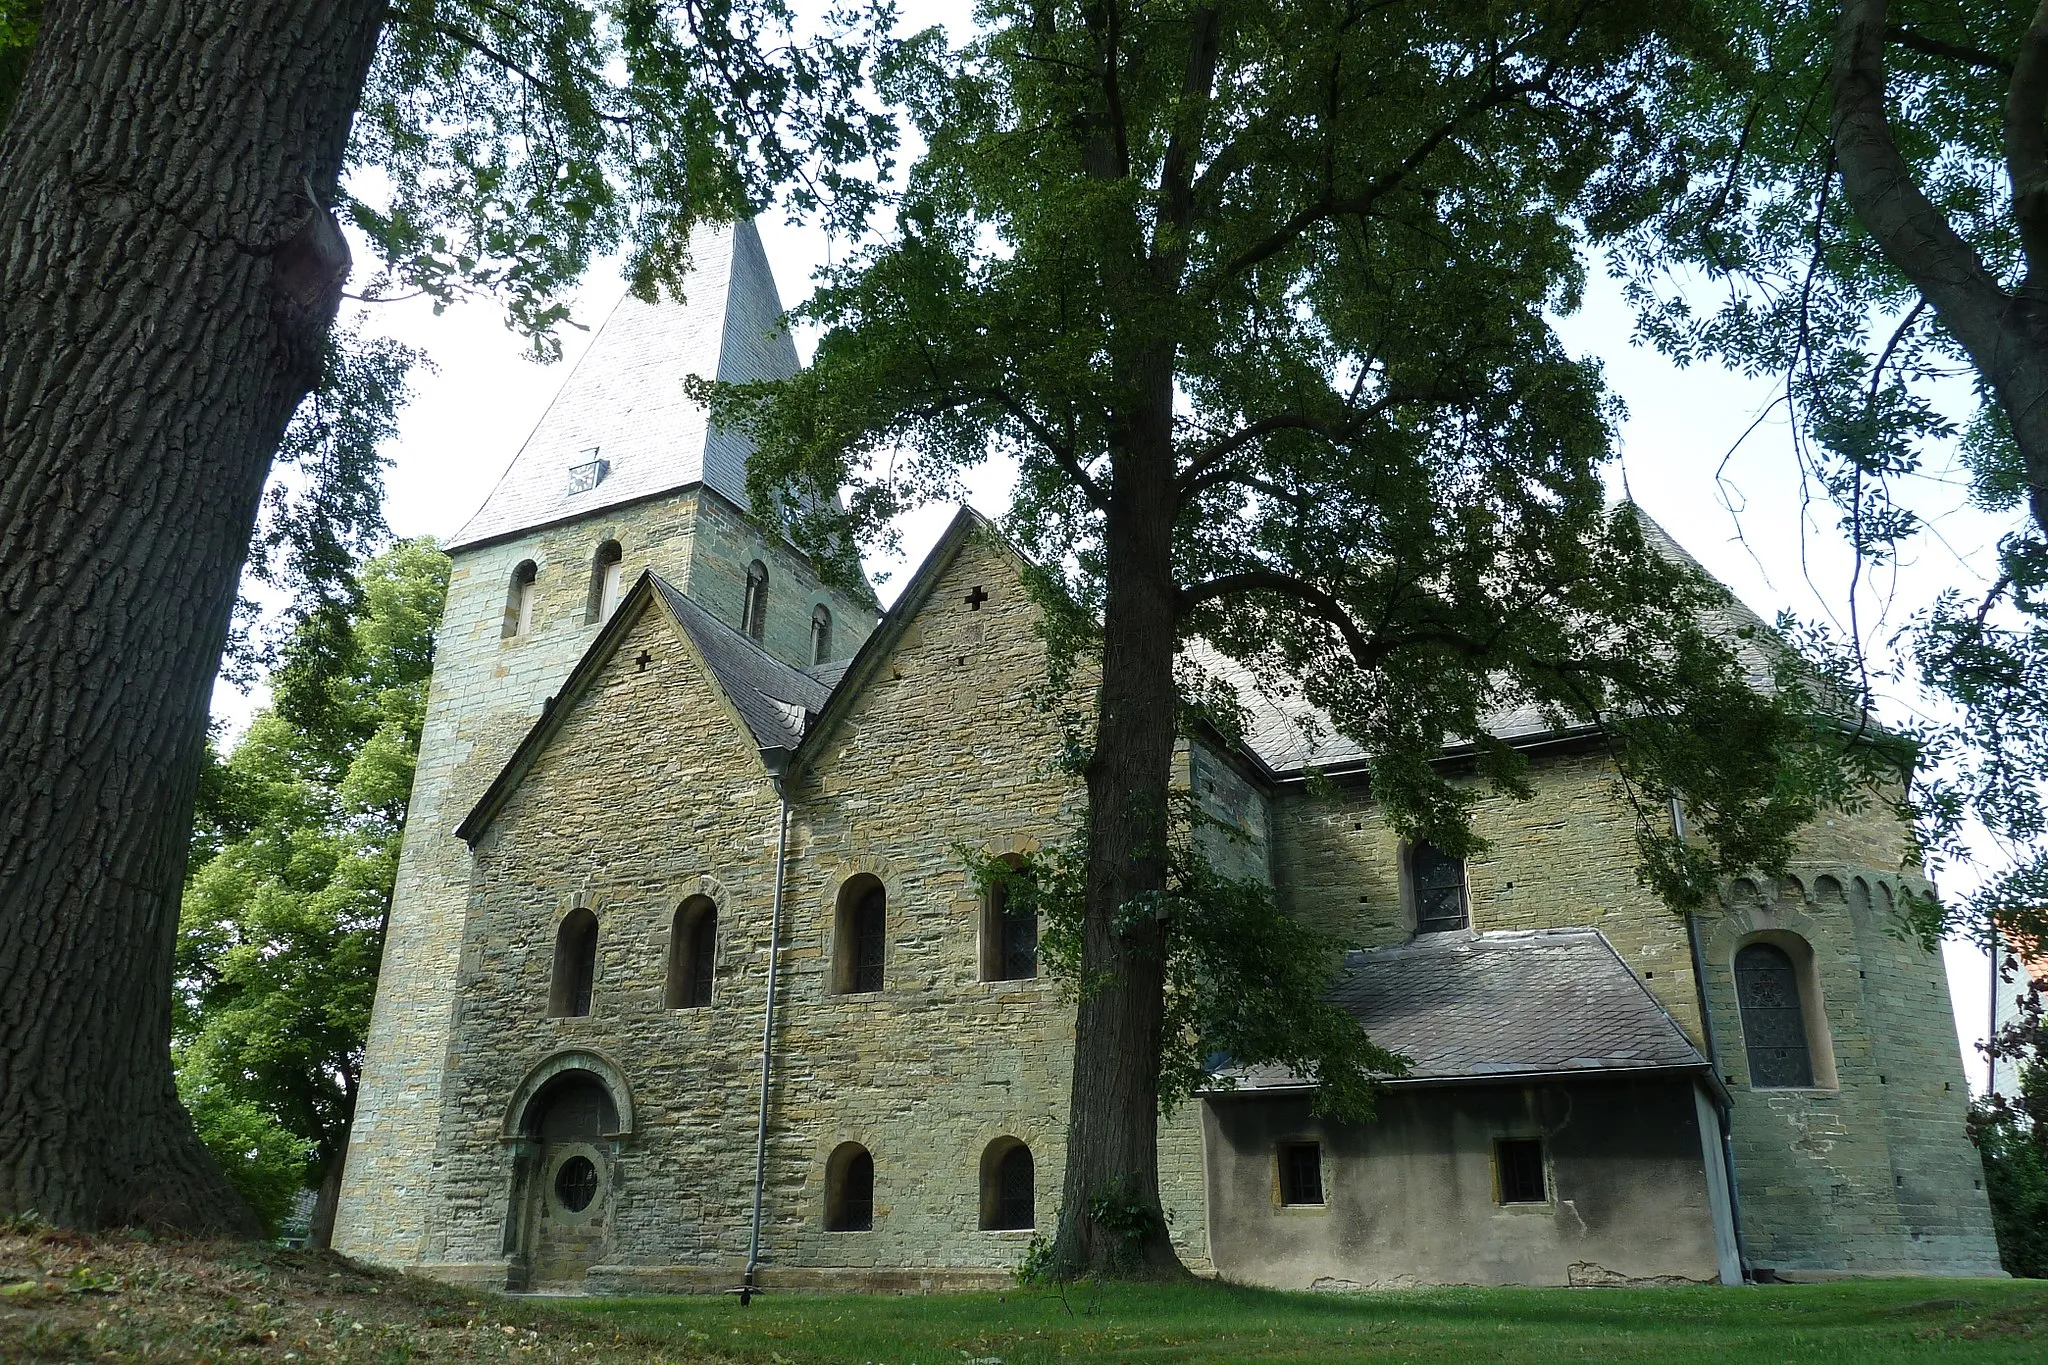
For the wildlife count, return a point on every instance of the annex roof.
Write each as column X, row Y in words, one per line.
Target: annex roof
column 622, row 419
column 1495, row 1006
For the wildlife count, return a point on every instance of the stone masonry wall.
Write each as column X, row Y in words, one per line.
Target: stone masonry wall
column 648, row 794
column 486, row 691
column 1873, row 1173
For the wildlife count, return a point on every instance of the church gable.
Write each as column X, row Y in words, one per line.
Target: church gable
column 644, row 693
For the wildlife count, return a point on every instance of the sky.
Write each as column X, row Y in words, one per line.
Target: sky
column 1734, row 501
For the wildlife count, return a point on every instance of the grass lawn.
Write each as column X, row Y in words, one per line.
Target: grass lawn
column 1876, row 1320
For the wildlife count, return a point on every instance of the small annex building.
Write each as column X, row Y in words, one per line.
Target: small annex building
column 683, row 898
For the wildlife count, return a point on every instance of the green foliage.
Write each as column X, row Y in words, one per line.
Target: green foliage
column 2012, row 1134
column 1246, row 982
column 503, row 144
column 1758, row 260
column 266, row 1163
column 19, row 20
column 295, row 852
column 1322, row 281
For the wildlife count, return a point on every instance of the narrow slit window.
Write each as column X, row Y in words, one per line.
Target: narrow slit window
column 1439, row 883
column 575, row 965
column 693, row 954
column 754, row 611
column 519, row 598
column 1519, row 1164
column 1773, row 1018
column 606, row 568
column 1009, row 930
column 860, row 937
column 1301, row 1173
column 821, row 634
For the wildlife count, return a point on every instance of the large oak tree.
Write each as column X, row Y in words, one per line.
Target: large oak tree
column 171, row 261
column 1256, row 293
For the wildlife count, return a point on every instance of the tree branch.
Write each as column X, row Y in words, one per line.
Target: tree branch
column 1935, row 47
column 1221, row 449
column 2026, row 143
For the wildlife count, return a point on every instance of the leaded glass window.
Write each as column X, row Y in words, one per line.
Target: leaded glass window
column 1773, row 1018
column 1439, row 882
column 870, row 935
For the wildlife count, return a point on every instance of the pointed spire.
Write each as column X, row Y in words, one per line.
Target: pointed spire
column 621, row 428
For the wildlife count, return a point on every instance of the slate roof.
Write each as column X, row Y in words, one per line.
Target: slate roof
column 1476, row 1007
column 772, row 697
column 624, row 399
column 1289, row 733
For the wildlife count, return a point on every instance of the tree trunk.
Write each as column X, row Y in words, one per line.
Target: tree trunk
column 2005, row 334
column 1110, row 1219
column 166, row 286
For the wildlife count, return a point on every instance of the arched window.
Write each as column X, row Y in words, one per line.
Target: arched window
column 860, row 937
column 849, row 1189
column 1009, row 932
column 575, row 965
column 1008, row 1185
column 821, row 634
column 1859, row 897
column 1791, row 890
column 519, row 599
column 572, row 1107
column 1438, row 881
column 605, row 568
column 1827, row 890
column 1774, row 1028
column 692, row 954
column 754, row 613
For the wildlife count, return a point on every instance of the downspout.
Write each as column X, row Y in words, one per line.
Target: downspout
column 778, row 772
column 1721, row 1106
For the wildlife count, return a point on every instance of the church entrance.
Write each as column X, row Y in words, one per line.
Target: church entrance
column 568, row 1173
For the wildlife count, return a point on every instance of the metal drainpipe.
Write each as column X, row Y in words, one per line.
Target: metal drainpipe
column 1721, row 1109
column 778, row 771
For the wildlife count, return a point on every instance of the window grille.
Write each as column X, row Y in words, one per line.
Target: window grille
column 576, row 1183
column 870, row 935
column 703, row 957
column 1011, row 934
column 1519, row 1163
column 1301, row 1173
column 1439, row 882
column 1015, row 1203
column 1773, row 1018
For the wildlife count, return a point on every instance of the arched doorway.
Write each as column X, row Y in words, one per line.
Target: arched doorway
column 568, row 1178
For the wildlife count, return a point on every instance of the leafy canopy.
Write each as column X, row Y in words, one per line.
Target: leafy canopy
column 293, row 862
column 1759, row 259
column 1310, row 249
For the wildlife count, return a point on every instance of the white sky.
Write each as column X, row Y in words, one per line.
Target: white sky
column 1740, row 513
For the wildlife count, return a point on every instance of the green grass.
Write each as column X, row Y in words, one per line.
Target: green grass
column 1871, row 1320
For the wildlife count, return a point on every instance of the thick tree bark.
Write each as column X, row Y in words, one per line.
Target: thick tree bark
column 167, row 279
column 1110, row 1212
column 2005, row 334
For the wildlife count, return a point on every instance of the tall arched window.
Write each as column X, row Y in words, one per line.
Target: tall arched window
column 1009, row 932
column 1438, row 881
column 1859, row 897
column 1774, row 1028
column 849, row 1189
column 692, row 954
column 575, row 964
column 519, row 599
column 606, row 566
column 821, row 634
column 1008, row 1185
column 754, row 614
column 861, row 936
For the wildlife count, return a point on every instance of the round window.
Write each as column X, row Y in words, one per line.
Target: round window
column 576, row 1183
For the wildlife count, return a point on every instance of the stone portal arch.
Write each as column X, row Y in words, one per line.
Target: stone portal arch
column 565, row 1126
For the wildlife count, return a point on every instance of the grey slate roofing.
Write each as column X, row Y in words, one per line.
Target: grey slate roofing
column 623, row 403
column 1289, row 733
column 1475, row 1007
column 772, row 697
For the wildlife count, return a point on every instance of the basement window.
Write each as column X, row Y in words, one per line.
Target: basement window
column 1301, row 1173
column 1518, row 1169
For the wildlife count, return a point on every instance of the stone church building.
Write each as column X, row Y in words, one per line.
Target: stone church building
column 686, row 975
